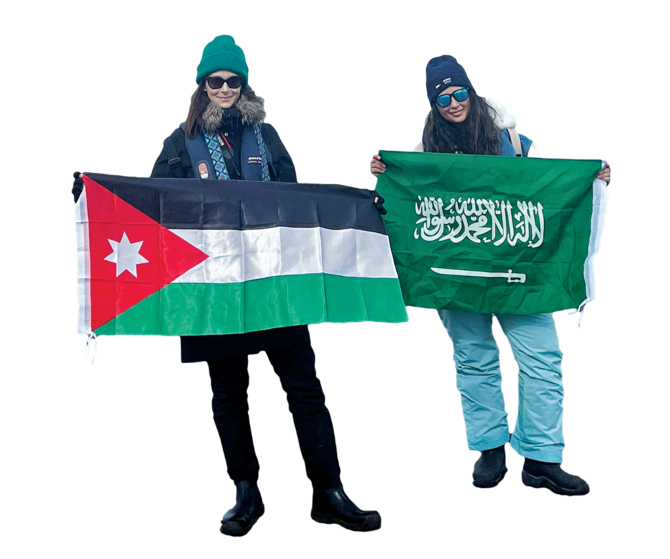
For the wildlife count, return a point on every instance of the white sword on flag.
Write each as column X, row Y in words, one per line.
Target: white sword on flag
column 512, row 277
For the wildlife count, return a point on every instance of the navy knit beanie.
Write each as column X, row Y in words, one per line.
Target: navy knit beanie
column 442, row 72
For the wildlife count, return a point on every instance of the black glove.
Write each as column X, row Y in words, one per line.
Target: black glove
column 379, row 204
column 77, row 187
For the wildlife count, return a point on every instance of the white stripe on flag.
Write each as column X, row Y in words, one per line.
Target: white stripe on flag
column 597, row 224
column 237, row 256
column 83, row 264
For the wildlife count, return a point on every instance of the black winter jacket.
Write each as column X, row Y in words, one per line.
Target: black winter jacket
column 213, row 348
column 281, row 164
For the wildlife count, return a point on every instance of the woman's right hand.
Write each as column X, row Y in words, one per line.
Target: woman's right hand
column 376, row 165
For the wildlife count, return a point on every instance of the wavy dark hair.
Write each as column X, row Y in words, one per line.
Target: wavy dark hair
column 477, row 135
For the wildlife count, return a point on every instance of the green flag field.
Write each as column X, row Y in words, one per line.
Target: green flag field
column 493, row 234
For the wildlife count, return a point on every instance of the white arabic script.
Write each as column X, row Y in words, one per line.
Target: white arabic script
column 480, row 220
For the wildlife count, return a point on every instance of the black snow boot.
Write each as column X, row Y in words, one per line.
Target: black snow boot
column 335, row 506
column 490, row 468
column 246, row 511
column 554, row 478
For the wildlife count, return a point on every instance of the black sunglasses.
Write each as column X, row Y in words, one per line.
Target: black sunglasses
column 460, row 95
column 216, row 82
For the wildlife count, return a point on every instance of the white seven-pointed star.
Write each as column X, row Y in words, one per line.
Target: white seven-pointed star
column 126, row 255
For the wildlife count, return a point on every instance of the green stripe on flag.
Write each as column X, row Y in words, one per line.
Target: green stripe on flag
column 192, row 309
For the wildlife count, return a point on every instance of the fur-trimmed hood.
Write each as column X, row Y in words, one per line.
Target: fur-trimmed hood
column 249, row 109
column 502, row 118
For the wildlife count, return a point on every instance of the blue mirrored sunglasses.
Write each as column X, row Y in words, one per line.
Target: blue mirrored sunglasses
column 460, row 95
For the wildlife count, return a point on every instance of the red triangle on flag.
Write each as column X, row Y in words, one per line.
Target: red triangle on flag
column 131, row 255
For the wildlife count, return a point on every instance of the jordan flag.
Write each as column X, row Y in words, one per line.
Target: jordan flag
column 192, row 257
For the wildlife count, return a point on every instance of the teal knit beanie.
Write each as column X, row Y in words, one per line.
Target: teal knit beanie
column 222, row 54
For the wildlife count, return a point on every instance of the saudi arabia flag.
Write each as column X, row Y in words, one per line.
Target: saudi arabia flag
column 493, row 234
column 193, row 257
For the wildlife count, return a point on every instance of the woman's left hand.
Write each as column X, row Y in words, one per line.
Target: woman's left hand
column 605, row 174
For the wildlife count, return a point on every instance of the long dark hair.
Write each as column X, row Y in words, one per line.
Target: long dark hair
column 477, row 135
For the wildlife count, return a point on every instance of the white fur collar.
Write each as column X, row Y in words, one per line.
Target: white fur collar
column 501, row 117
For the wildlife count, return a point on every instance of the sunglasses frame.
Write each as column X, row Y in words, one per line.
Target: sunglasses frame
column 225, row 81
column 452, row 94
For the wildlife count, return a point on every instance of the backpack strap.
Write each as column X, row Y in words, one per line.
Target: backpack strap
column 198, row 152
column 516, row 141
column 174, row 161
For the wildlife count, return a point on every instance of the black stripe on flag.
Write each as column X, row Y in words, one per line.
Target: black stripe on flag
column 209, row 204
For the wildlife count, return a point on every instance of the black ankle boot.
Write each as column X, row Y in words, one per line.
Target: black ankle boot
column 332, row 506
column 247, row 510
column 490, row 469
column 550, row 475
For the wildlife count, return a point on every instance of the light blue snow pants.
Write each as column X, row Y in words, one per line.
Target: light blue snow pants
column 539, row 425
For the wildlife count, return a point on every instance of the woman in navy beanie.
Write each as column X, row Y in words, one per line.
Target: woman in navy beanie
column 460, row 121
column 225, row 138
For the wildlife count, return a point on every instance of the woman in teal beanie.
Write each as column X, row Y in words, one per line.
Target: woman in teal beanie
column 224, row 138
column 222, row 52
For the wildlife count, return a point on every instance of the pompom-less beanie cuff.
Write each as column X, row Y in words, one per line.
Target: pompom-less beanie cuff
column 222, row 54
